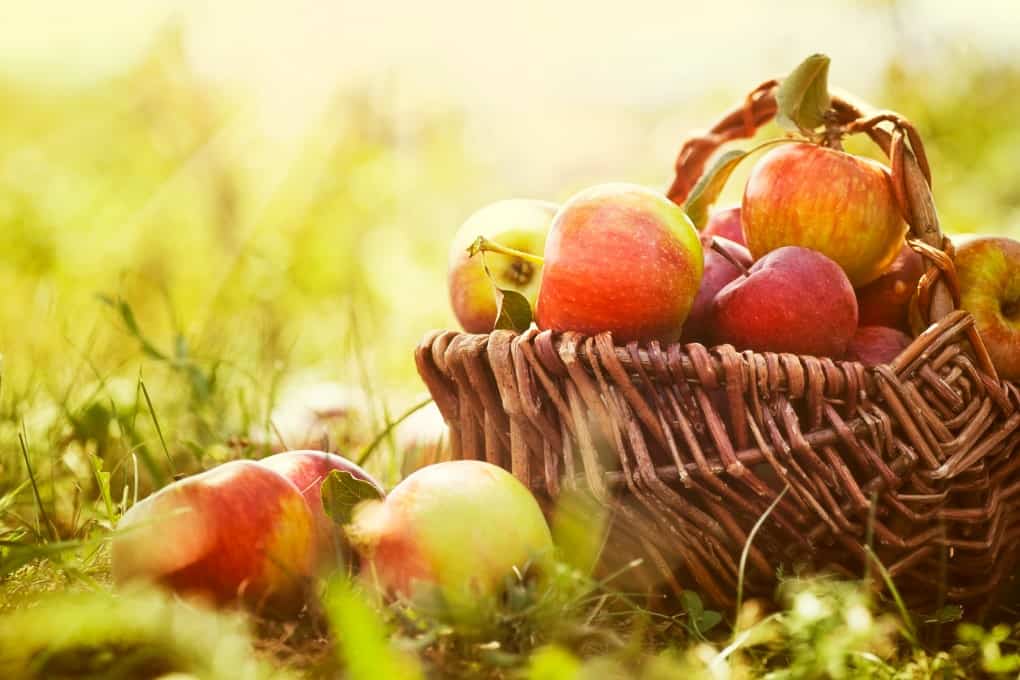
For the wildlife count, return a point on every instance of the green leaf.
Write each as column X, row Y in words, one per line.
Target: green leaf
column 103, row 481
column 513, row 311
column 691, row 603
column 709, row 620
column 342, row 492
column 705, row 193
column 803, row 96
column 710, row 185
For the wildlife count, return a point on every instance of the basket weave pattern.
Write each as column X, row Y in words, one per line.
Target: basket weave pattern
column 916, row 462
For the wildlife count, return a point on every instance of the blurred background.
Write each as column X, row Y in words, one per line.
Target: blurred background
column 232, row 199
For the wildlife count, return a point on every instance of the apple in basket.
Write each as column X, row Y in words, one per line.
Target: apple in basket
column 874, row 345
column 620, row 258
column 792, row 300
column 237, row 532
column 989, row 274
column 830, row 201
column 449, row 536
column 519, row 224
column 307, row 470
column 885, row 301
column 725, row 222
column 724, row 262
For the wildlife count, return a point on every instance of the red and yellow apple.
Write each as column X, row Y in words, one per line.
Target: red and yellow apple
column 792, row 300
column 886, row 300
column 725, row 222
column 719, row 271
column 875, row 345
column 520, row 224
column 620, row 258
column 455, row 530
column 307, row 469
column 238, row 532
column 830, row 201
column 989, row 274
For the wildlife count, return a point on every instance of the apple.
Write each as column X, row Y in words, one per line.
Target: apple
column 237, row 532
column 725, row 222
column 886, row 300
column 311, row 411
column 620, row 258
column 792, row 300
column 830, row 201
column 423, row 438
column 719, row 271
column 307, row 469
column 453, row 531
column 520, row 224
column 875, row 345
column 988, row 269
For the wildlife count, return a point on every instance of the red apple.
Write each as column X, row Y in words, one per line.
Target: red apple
column 885, row 301
column 236, row 532
column 725, row 222
column 520, row 224
column 814, row 197
column 620, row 258
column 875, row 345
column 989, row 273
column 455, row 529
column 793, row 300
column 307, row 470
column 718, row 272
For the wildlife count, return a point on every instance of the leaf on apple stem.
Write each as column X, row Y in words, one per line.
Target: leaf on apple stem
column 710, row 185
column 803, row 97
column 513, row 311
column 706, row 192
column 342, row 492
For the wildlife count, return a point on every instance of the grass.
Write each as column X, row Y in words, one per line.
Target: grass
column 176, row 285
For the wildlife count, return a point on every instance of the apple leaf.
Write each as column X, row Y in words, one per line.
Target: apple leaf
column 513, row 311
column 705, row 193
column 710, row 185
column 342, row 492
column 803, row 96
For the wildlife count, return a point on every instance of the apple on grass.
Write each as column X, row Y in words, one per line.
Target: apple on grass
column 719, row 271
column 452, row 533
column 519, row 224
column 830, row 201
column 876, row 345
column 238, row 532
column 886, row 300
column 307, row 470
column 620, row 258
column 988, row 269
column 792, row 300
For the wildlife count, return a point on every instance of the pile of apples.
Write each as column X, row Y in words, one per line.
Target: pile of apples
column 814, row 261
column 258, row 533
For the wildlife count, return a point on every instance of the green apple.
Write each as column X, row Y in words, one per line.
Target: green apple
column 989, row 274
column 452, row 532
column 520, row 224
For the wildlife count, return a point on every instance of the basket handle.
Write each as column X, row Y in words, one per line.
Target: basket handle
column 938, row 291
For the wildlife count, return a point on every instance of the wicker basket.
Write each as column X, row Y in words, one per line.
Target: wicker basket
column 915, row 464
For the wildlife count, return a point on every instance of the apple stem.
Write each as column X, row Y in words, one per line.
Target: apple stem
column 833, row 135
column 484, row 245
column 718, row 247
